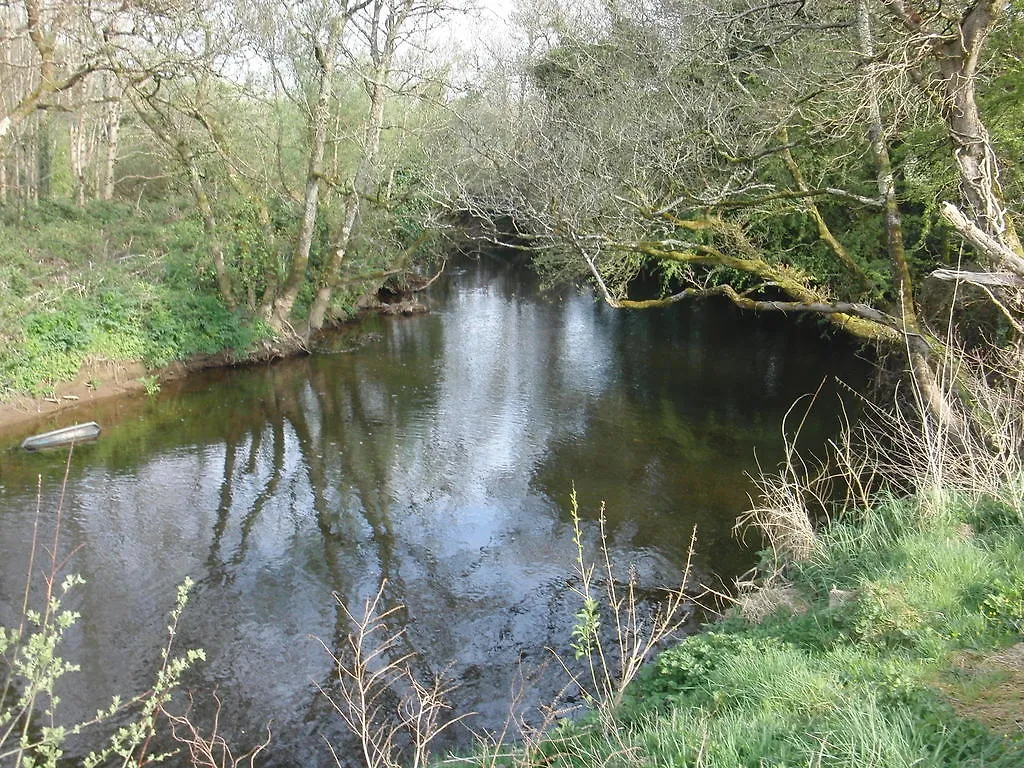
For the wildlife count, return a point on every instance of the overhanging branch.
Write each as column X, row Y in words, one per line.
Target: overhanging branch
column 860, row 320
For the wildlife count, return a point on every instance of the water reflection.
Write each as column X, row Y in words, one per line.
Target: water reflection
column 434, row 452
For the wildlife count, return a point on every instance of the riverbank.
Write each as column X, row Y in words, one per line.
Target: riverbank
column 99, row 381
column 112, row 300
column 898, row 641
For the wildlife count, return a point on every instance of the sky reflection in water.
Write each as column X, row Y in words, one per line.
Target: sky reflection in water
column 436, row 452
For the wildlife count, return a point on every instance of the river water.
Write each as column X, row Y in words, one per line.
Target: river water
column 437, row 452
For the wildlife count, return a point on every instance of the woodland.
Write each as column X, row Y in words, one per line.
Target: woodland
column 219, row 178
column 853, row 161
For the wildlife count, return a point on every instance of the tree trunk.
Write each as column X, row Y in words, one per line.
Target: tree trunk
column 78, row 157
column 49, row 83
column 956, row 51
column 988, row 245
column 932, row 398
column 157, row 122
column 382, row 56
column 44, row 155
column 112, row 109
column 325, row 58
column 224, row 283
column 364, row 171
column 972, row 147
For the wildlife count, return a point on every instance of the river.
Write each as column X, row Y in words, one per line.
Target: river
column 437, row 452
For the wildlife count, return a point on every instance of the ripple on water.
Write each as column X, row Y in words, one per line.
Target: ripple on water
column 438, row 455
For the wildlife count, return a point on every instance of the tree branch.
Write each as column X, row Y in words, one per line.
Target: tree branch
column 859, row 320
column 987, row 245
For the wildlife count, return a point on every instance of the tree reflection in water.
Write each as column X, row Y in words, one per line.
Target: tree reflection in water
column 436, row 452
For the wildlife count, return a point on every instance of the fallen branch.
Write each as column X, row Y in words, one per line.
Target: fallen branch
column 996, row 279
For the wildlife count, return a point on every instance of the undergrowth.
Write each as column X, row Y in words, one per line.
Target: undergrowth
column 108, row 282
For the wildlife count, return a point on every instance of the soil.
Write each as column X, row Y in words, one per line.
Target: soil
column 990, row 689
column 100, row 380
column 97, row 381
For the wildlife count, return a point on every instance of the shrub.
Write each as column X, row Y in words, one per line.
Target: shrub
column 683, row 672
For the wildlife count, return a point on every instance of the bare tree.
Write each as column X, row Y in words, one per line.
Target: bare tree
column 322, row 37
column 113, row 108
column 394, row 715
column 367, row 37
column 49, row 62
column 383, row 28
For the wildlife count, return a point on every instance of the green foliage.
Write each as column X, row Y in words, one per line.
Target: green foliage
column 252, row 244
column 151, row 384
column 885, row 619
column 177, row 326
column 108, row 281
column 33, row 666
column 683, row 673
column 585, row 628
column 145, row 323
column 1004, row 605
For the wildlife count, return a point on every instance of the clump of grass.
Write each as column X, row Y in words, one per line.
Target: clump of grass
column 785, row 500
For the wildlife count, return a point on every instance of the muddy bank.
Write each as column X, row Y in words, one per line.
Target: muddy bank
column 101, row 380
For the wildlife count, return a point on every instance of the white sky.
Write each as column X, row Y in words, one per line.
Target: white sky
column 486, row 22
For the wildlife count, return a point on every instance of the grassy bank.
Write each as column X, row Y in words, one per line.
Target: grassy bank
column 895, row 642
column 109, row 282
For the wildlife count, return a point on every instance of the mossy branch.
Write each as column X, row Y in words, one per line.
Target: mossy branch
column 860, row 320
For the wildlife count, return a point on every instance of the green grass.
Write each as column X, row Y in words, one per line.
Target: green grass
column 852, row 683
column 122, row 282
column 107, row 282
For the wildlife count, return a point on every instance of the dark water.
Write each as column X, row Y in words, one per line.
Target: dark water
column 436, row 452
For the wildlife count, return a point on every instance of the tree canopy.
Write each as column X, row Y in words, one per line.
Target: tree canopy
column 819, row 157
column 803, row 156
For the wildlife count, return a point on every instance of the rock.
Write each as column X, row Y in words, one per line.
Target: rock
column 837, row 597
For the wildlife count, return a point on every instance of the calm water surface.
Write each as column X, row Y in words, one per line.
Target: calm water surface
column 435, row 452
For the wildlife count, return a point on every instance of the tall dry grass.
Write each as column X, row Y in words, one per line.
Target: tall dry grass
column 613, row 636
column 898, row 449
column 394, row 715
